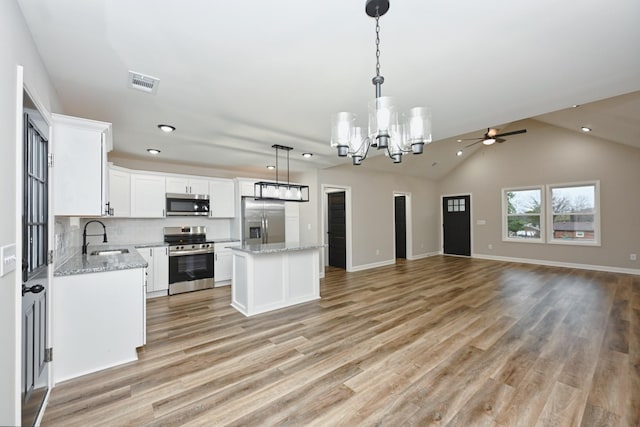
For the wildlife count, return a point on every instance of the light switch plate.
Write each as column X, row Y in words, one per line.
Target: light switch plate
column 7, row 259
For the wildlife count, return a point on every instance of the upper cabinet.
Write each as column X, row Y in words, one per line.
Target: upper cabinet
column 119, row 193
column 148, row 196
column 183, row 185
column 222, row 198
column 80, row 176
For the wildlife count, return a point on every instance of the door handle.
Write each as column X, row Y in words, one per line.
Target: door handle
column 36, row 289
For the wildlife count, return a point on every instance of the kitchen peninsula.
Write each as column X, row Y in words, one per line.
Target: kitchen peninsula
column 274, row 275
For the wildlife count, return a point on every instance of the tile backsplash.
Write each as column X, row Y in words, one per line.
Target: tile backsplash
column 68, row 231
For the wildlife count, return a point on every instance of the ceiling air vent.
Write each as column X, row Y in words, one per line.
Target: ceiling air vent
column 144, row 83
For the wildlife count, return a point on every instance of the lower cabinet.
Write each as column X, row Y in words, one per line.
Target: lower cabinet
column 157, row 270
column 99, row 319
column 223, row 263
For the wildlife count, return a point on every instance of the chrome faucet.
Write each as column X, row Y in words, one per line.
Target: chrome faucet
column 84, row 235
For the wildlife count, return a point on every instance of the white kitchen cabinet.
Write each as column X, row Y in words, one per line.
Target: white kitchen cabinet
column 184, row 185
column 222, row 198
column 245, row 187
column 148, row 196
column 157, row 270
column 292, row 222
column 99, row 320
column 80, row 177
column 223, row 263
column 119, row 193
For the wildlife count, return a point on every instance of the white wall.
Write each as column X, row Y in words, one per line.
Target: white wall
column 550, row 155
column 16, row 48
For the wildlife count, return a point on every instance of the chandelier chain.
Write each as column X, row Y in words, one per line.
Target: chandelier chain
column 377, row 45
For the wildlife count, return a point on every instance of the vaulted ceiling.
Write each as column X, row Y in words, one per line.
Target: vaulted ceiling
column 237, row 77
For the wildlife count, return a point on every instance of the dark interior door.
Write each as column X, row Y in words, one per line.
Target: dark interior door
column 337, row 230
column 401, row 226
column 35, row 245
column 456, row 227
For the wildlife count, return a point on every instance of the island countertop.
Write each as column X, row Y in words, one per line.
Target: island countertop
column 270, row 248
column 83, row 264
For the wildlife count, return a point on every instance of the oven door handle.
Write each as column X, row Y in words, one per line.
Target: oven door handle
column 191, row 252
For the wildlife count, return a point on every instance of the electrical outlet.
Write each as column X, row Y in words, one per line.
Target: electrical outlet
column 632, row 257
column 377, row 251
column 490, row 246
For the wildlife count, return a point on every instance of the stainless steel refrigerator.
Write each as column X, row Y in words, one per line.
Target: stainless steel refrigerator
column 262, row 221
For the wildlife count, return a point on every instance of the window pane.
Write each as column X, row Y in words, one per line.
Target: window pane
column 574, row 213
column 523, row 201
column 523, row 226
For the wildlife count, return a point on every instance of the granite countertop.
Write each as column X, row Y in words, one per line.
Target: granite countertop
column 83, row 264
column 151, row 245
column 270, row 248
column 224, row 240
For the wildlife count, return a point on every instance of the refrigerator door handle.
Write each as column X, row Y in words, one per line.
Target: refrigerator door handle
column 266, row 230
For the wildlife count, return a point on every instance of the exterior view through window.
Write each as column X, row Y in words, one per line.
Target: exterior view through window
column 574, row 213
column 523, row 214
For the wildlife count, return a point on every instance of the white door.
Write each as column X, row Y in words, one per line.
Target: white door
column 35, row 263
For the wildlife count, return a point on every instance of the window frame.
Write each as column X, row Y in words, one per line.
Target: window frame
column 596, row 212
column 505, row 214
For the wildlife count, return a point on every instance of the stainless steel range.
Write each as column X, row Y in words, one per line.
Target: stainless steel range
column 190, row 259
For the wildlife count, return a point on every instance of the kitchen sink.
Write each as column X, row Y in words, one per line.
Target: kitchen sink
column 110, row 252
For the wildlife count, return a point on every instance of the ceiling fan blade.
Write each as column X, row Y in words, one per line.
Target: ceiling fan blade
column 515, row 132
column 471, row 145
column 500, row 140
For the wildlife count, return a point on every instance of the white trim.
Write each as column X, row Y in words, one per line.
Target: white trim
column 605, row 268
column 424, row 255
column 17, row 301
column 596, row 200
column 408, row 222
column 324, row 190
column 373, row 265
column 503, row 225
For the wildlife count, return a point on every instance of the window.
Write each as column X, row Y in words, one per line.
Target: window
column 522, row 214
column 35, row 220
column 574, row 213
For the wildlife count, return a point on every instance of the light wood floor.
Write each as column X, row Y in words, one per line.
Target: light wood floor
column 440, row 341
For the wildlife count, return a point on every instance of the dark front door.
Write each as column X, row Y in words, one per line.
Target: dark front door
column 337, row 230
column 35, row 245
column 456, row 227
column 401, row 226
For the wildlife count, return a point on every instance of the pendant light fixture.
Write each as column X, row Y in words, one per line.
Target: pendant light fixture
column 266, row 190
column 388, row 130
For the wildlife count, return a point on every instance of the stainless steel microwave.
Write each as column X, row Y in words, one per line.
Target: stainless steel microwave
column 187, row 204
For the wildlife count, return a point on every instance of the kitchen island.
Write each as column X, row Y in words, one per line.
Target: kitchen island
column 98, row 310
column 275, row 275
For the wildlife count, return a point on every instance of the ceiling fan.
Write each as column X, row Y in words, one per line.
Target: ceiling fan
column 492, row 136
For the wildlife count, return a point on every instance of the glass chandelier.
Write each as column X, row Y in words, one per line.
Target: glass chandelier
column 268, row 190
column 388, row 130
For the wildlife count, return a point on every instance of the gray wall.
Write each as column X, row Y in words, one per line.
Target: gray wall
column 16, row 48
column 551, row 155
column 372, row 212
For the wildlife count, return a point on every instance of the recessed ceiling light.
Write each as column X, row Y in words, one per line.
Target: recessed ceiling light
column 271, row 167
column 575, row 105
column 307, row 155
column 153, row 151
column 166, row 128
column 586, row 129
column 459, row 153
column 459, row 140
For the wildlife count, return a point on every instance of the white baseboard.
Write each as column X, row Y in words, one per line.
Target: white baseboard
column 560, row 264
column 424, row 255
column 372, row 265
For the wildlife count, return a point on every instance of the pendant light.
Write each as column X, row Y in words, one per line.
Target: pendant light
column 268, row 190
column 388, row 130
